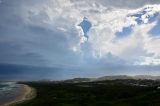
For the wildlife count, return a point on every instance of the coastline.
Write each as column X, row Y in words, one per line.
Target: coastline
column 26, row 93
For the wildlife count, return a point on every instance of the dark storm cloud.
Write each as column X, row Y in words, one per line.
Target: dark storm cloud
column 13, row 72
column 25, row 43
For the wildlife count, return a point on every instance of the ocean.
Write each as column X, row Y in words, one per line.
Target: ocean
column 9, row 91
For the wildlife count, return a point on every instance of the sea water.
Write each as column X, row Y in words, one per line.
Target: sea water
column 8, row 91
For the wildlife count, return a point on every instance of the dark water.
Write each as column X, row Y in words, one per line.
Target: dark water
column 9, row 91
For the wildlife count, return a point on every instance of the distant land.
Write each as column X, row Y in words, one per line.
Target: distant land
column 116, row 77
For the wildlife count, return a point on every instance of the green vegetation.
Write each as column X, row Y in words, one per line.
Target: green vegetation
column 101, row 93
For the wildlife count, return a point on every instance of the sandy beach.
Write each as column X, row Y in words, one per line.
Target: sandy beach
column 27, row 93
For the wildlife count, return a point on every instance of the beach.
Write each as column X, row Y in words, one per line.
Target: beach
column 26, row 93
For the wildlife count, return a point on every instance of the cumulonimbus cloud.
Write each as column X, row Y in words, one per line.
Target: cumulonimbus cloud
column 51, row 28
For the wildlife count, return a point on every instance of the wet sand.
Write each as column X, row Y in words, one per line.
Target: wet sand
column 26, row 93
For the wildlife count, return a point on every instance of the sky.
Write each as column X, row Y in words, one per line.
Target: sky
column 61, row 39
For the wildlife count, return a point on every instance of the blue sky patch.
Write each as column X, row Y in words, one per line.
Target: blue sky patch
column 153, row 18
column 155, row 31
column 85, row 25
column 139, row 15
column 125, row 32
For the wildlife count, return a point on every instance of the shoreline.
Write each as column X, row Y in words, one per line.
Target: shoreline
column 26, row 93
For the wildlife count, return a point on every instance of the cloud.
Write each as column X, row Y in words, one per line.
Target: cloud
column 47, row 32
column 118, row 4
